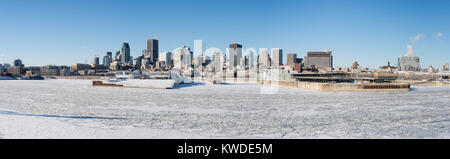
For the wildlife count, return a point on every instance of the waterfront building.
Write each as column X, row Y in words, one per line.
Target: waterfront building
column 3, row 68
column 16, row 71
column 277, row 58
column 388, row 68
column 32, row 71
column 79, row 67
column 64, row 71
column 319, row 60
column 50, row 70
column 409, row 63
column 18, row 68
column 235, row 52
column 297, row 67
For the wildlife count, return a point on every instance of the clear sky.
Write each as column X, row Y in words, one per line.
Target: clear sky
column 64, row 32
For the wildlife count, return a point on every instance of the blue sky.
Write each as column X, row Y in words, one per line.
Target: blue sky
column 64, row 32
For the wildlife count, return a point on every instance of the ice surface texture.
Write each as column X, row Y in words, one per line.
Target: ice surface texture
column 76, row 109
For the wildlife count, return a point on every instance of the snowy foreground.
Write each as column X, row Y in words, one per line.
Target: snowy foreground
column 75, row 109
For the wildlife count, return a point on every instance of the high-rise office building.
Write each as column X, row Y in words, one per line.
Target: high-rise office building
column 409, row 63
column 107, row 59
column 117, row 57
column 17, row 69
column 322, row 59
column 235, row 53
column 218, row 61
column 291, row 59
column 251, row 60
column 166, row 57
column 18, row 63
column 96, row 61
column 125, row 54
column 277, row 59
column 198, row 62
column 182, row 57
column 137, row 62
column 264, row 60
column 152, row 50
column 177, row 59
column 109, row 54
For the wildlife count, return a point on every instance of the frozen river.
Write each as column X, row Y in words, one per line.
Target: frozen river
column 75, row 109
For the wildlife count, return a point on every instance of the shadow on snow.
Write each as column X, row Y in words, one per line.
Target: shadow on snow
column 178, row 86
column 57, row 116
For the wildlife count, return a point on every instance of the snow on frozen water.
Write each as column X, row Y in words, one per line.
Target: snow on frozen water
column 76, row 109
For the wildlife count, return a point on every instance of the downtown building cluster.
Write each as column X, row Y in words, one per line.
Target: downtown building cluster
column 232, row 64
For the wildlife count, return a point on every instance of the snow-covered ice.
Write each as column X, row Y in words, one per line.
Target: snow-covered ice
column 76, row 109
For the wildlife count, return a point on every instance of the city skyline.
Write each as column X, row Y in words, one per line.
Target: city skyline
column 372, row 33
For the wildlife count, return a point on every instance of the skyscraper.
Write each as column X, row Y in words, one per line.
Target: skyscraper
column 152, row 51
column 264, row 60
column 96, row 61
column 107, row 59
column 125, row 54
column 18, row 63
column 291, row 59
column 166, row 57
column 177, row 59
column 182, row 57
column 109, row 54
column 277, row 58
column 235, row 54
column 251, row 60
column 446, row 67
column 217, row 61
column 409, row 63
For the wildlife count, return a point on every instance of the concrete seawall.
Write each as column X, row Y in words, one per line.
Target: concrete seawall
column 425, row 83
column 77, row 77
column 329, row 87
column 350, row 87
column 343, row 87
